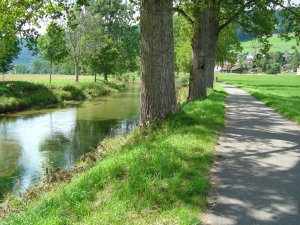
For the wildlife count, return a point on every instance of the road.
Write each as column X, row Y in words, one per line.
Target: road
column 256, row 176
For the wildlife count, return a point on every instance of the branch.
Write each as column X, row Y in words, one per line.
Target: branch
column 181, row 12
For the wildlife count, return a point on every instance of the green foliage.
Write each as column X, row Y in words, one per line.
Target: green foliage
column 10, row 49
column 274, row 69
column 52, row 45
column 182, row 43
column 103, row 61
column 117, row 18
column 228, row 46
column 158, row 175
column 21, row 68
column 40, row 67
column 279, row 92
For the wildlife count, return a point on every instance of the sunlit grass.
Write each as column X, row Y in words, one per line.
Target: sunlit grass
column 158, row 175
column 279, row 92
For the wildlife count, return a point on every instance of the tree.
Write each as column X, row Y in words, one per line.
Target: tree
column 75, row 33
column 157, row 97
column 101, row 59
column 52, row 45
column 254, row 16
column 9, row 51
column 228, row 46
column 118, row 24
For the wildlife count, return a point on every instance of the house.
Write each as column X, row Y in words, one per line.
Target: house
column 237, row 69
column 298, row 70
column 286, row 68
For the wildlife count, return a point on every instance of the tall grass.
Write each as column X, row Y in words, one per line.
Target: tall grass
column 158, row 175
column 279, row 92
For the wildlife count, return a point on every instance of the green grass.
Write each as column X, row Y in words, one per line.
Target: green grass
column 158, row 175
column 35, row 91
column 278, row 45
column 281, row 93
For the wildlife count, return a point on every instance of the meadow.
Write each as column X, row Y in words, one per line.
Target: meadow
column 279, row 92
column 278, row 45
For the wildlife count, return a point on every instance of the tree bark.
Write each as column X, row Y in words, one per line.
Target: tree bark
column 76, row 71
column 212, row 47
column 197, row 86
column 105, row 76
column 157, row 95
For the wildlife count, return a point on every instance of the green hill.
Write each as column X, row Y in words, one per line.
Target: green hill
column 278, row 45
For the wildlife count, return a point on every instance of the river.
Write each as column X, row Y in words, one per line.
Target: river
column 59, row 136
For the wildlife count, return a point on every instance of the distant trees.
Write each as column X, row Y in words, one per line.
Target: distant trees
column 21, row 68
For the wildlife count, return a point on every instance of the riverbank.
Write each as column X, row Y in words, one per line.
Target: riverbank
column 157, row 175
column 21, row 95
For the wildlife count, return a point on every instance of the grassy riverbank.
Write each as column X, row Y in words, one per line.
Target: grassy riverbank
column 21, row 92
column 280, row 92
column 156, row 176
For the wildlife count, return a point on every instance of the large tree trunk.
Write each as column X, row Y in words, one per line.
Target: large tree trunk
column 76, row 71
column 157, row 96
column 212, row 47
column 197, row 86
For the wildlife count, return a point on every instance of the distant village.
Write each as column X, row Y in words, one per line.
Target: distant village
column 258, row 63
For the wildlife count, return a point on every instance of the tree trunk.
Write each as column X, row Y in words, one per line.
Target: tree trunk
column 50, row 71
column 197, row 86
column 157, row 95
column 212, row 47
column 105, row 76
column 76, row 71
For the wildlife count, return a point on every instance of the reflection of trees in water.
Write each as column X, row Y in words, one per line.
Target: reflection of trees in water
column 64, row 150
column 10, row 153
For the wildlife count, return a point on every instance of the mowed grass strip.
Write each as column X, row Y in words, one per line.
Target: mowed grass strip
column 158, row 175
column 281, row 93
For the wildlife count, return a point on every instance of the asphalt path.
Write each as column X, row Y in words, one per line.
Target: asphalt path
column 256, row 176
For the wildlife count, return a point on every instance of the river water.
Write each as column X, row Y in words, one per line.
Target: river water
column 60, row 136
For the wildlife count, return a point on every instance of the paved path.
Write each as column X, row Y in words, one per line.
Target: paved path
column 257, row 170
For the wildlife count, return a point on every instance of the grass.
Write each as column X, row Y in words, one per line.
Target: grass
column 281, row 93
column 158, row 175
column 35, row 91
column 278, row 45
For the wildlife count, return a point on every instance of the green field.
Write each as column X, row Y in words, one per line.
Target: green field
column 277, row 45
column 279, row 92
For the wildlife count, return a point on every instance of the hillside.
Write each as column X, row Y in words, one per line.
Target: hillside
column 277, row 45
column 25, row 56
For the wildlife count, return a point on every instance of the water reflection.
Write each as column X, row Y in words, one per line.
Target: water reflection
column 60, row 136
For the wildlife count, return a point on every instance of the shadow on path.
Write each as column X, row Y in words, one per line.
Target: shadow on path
column 257, row 167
